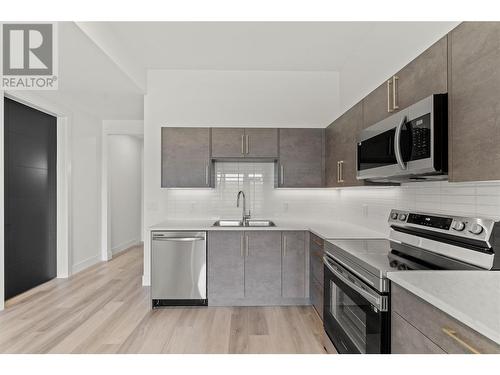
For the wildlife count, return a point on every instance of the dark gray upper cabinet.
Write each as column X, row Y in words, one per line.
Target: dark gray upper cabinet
column 341, row 147
column 261, row 143
column 186, row 157
column 301, row 158
column 474, row 99
column 424, row 76
column 228, row 142
column 293, row 264
column 226, row 265
column 244, row 143
column 263, row 265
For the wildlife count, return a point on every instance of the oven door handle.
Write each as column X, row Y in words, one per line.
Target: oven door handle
column 397, row 144
column 380, row 302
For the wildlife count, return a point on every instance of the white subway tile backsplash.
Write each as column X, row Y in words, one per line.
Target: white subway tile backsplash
column 366, row 206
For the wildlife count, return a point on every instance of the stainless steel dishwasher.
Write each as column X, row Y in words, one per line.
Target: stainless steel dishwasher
column 179, row 269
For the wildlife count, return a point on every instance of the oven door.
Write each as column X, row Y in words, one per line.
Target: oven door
column 356, row 317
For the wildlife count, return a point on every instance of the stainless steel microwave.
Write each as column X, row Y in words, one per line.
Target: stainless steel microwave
column 411, row 145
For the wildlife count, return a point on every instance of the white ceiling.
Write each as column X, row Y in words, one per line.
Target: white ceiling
column 103, row 65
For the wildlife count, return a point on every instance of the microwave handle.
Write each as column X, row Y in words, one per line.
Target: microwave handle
column 397, row 144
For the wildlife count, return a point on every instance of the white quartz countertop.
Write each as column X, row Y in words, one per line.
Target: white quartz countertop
column 471, row 297
column 326, row 230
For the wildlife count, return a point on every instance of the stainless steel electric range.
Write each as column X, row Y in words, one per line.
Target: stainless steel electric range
column 357, row 291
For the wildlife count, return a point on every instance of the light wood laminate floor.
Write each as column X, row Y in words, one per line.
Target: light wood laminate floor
column 105, row 309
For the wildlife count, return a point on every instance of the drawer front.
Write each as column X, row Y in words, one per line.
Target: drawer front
column 316, row 293
column 406, row 339
column 445, row 331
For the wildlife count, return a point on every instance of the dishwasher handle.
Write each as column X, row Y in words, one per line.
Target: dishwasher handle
column 179, row 239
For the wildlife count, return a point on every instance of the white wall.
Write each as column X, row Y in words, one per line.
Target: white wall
column 86, row 180
column 125, row 186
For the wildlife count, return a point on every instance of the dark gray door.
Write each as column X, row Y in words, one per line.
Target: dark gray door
column 301, row 162
column 261, row 143
column 228, row 142
column 186, row 158
column 30, row 197
column 226, row 265
column 294, row 265
column 263, row 264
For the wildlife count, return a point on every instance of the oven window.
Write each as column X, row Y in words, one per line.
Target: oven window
column 349, row 315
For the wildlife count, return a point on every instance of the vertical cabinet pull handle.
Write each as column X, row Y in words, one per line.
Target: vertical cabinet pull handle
column 246, row 244
column 389, row 109
column 243, row 145
column 284, row 245
column 338, row 171
column 453, row 335
column 206, row 174
column 247, row 144
column 282, row 175
column 341, row 163
column 242, row 246
column 395, row 92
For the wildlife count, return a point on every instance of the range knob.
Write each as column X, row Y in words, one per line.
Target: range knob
column 394, row 216
column 402, row 217
column 402, row 267
column 458, row 226
column 476, row 229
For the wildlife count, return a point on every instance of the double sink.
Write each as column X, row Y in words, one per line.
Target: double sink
column 247, row 223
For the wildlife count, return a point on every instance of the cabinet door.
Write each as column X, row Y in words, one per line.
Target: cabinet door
column 301, row 162
column 261, row 143
column 263, row 265
column 294, row 265
column 424, row 76
column 226, row 265
column 341, row 146
column 475, row 102
column 186, row 157
column 406, row 339
column 228, row 142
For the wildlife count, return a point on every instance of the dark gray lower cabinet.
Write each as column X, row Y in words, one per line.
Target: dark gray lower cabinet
column 263, row 265
column 186, row 158
column 406, row 339
column 316, row 279
column 418, row 327
column 226, row 265
column 294, row 264
column 257, row 268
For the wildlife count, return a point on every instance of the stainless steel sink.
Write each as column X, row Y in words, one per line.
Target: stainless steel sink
column 239, row 223
column 260, row 223
column 228, row 223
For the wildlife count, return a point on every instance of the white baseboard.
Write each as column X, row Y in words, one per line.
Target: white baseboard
column 124, row 246
column 146, row 280
column 85, row 264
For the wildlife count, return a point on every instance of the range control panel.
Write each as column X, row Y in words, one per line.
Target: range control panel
column 467, row 227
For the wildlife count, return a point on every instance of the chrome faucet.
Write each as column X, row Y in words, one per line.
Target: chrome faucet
column 245, row 216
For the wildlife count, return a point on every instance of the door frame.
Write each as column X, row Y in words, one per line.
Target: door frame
column 115, row 127
column 63, row 185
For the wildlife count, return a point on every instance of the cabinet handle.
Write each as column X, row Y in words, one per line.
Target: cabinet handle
column 247, row 144
column 243, row 145
column 242, row 245
column 395, row 92
column 341, row 169
column 206, row 174
column 338, row 171
column 282, row 175
column 246, row 244
column 452, row 334
column 284, row 245
column 389, row 109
